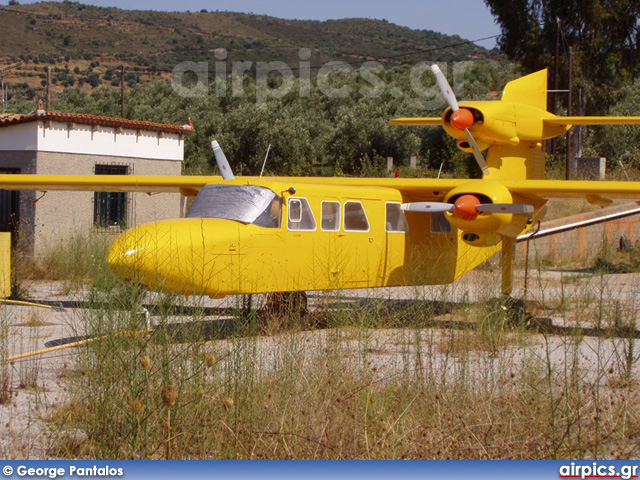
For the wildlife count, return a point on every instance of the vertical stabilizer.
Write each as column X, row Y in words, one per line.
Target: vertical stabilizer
column 529, row 90
column 526, row 160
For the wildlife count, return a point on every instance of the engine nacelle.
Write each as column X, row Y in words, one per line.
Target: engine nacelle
column 494, row 123
column 487, row 228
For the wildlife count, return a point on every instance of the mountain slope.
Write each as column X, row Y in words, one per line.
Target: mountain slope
column 84, row 44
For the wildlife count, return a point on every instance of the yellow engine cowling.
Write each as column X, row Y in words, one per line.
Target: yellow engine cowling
column 487, row 228
column 495, row 124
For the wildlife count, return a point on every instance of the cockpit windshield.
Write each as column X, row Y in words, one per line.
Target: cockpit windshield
column 242, row 203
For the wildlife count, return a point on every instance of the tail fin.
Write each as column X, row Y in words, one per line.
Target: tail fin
column 529, row 90
column 526, row 160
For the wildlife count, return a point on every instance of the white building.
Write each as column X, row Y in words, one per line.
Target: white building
column 51, row 143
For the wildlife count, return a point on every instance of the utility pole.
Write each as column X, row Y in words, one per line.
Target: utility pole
column 4, row 89
column 48, row 108
column 556, row 68
column 3, row 93
column 122, row 90
column 554, row 97
column 569, row 163
column 582, row 110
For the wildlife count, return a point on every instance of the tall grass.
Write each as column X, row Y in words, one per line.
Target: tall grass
column 380, row 378
column 351, row 391
column 75, row 261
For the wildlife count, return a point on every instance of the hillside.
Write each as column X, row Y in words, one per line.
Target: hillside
column 85, row 44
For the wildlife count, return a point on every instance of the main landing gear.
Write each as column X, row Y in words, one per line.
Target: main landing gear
column 283, row 311
column 515, row 309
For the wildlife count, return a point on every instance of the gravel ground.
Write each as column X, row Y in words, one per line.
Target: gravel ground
column 35, row 386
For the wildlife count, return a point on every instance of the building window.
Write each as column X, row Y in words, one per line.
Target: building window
column 110, row 208
column 9, row 208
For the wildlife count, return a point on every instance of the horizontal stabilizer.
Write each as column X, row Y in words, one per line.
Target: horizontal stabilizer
column 418, row 122
column 592, row 121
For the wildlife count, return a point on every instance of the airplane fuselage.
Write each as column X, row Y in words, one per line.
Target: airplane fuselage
column 273, row 236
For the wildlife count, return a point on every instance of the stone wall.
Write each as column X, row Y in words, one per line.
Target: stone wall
column 59, row 215
column 585, row 244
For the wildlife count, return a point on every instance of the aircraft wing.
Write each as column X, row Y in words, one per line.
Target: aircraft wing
column 426, row 188
column 187, row 185
column 191, row 185
column 579, row 189
column 430, row 188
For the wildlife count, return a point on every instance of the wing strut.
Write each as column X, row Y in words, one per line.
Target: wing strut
column 506, row 261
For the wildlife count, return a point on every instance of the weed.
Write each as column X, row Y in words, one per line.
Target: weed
column 384, row 375
column 34, row 318
column 5, row 372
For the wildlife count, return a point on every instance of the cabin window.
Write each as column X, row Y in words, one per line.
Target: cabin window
column 300, row 215
column 439, row 223
column 110, row 208
column 396, row 221
column 330, row 216
column 243, row 203
column 270, row 218
column 355, row 218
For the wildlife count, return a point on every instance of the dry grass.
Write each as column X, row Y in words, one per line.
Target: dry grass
column 350, row 392
column 34, row 318
column 77, row 260
column 381, row 380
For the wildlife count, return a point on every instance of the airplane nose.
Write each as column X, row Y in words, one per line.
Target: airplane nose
column 178, row 256
column 141, row 254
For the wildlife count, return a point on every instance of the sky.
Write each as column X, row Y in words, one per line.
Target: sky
column 471, row 19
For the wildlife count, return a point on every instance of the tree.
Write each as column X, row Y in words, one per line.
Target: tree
column 620, row 144
column 605, row 36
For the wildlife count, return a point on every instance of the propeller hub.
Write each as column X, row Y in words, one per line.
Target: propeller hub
column 462, row 119
column 466, row 207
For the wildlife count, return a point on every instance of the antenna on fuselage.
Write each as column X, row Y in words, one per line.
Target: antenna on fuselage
column 265, row 160
column 221, row 160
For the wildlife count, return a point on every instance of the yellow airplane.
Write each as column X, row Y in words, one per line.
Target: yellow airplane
column 282, row 234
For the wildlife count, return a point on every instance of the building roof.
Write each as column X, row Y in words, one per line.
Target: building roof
column 84, row 119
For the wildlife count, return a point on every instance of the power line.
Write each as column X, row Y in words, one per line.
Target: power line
column 390, row 57
column 433, row 49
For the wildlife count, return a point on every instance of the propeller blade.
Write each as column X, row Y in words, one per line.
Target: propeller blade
column 221, row 160
column 477, row 153
column 445, row 88
column 504, row 208
column 426, row 207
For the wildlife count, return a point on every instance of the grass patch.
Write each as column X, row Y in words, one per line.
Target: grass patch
column 79, row 260
column 353, row 391
column 364, row 378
